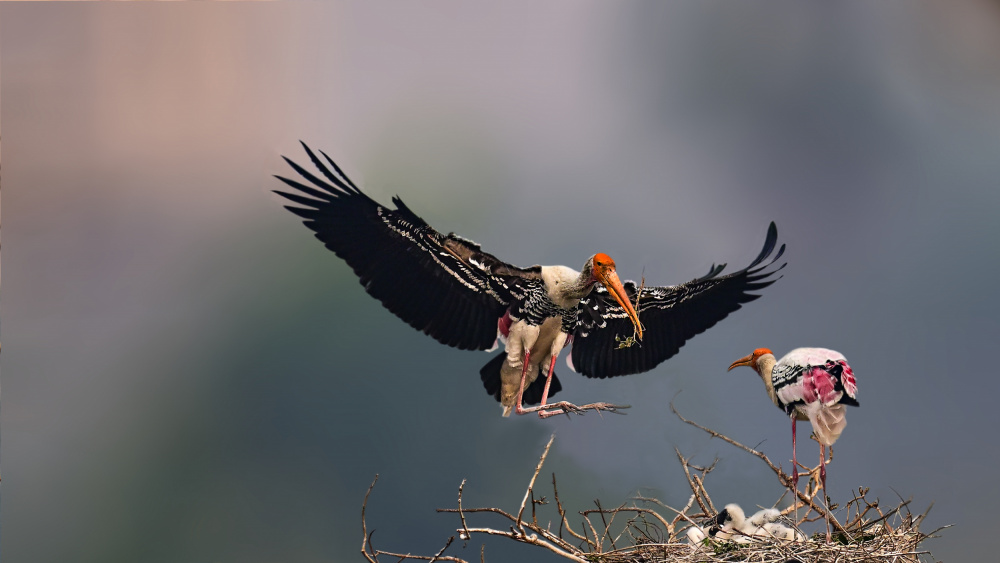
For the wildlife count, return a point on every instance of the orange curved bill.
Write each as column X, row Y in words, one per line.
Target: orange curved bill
column 744, row 361
column 614, row 285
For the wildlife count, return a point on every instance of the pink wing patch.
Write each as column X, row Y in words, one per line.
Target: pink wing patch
column 847, row 380
column 819, row 384
column 503, row 325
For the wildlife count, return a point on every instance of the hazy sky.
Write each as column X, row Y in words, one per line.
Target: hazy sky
column 191, row 376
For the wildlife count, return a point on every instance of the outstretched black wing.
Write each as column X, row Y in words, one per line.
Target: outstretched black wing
column 671, row 315
column 443, row 285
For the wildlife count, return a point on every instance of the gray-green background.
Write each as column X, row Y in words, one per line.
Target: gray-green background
column 190, row 376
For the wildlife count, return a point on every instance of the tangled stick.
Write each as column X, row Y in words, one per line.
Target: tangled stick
column 807, row 498
column 635, row 533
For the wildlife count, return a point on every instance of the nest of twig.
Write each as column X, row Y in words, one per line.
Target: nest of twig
column 649, row 531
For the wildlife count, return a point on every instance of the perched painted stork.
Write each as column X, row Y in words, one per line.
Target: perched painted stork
column 813, row 384
column 447, row 287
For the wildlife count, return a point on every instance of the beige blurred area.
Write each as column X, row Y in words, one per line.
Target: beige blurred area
column 158, row 88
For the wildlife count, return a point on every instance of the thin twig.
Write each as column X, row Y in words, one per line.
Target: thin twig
column 701, row 486
column 465, row 529
column 563, row 522
column 691, row 483
column 404, row 556
column 531, row 483
column 499, row 511
column 365, row 538
column 529, row 539
column 597, row 541
column 437, row 556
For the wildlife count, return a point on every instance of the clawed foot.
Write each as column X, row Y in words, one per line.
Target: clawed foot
column 563, row 407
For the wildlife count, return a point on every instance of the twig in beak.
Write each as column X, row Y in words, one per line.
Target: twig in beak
column 634, row 339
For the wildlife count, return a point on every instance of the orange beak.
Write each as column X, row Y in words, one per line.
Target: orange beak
column 744, row 361
column 609, row 277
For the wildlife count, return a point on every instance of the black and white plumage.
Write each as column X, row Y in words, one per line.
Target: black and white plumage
column 449, row 288
column 814, row 384
column 671, row 315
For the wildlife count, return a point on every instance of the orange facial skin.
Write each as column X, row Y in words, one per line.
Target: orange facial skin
column 605, row 272
column 750, row 360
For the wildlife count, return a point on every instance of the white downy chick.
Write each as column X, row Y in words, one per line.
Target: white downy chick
column 733, row 525
column 729, row 524
column 696, row 535
column 782, row 532
column 764, row 516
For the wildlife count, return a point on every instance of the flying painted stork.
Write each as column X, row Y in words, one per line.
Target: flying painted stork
column 447, row 287
column 813, row 384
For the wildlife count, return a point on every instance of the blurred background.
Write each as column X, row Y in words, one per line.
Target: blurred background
column 191, row 376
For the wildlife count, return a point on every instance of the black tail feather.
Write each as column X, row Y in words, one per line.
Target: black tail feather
column 490, row 376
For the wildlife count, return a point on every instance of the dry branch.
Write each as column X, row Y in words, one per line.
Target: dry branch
column 531, row 484
column 805, row 499
column 631, row 533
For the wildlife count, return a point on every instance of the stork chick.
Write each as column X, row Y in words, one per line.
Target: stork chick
column 732, row 524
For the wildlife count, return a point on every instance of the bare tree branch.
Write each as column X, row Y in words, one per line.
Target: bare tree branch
column 643, row 535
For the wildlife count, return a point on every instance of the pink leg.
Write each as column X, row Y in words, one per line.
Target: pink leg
column 540, row 409
column 545, row 410
column 822, row 466
column 563, row 405
column 822, row 479
column 795, row 464
column 524, row 377
column 548, row 380
column 565, row 408
column 795, row 475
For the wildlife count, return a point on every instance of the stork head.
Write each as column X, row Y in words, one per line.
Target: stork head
column 602, row 269
column 732, row 516
column 751, row 360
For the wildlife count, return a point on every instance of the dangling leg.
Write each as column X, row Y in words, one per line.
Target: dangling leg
column 822, row 480
column 524, row 377
column 563, row 407
column 545, row 410
column 557, row 345
column 545, row 395
column 548, row 379
column 520, row 342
